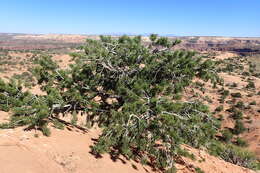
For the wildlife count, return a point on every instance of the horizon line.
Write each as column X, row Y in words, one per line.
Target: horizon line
column 128, row 34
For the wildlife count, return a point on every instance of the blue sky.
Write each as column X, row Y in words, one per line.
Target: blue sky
column 177, row 17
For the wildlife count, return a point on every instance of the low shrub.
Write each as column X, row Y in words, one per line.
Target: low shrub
column 227, row 135
column 245, row 73
column 236, row 95
column 253, row 103
column 240, row 105
column 219, row 108
column 250, row 85
column 241, row 142
column 234, row 85
column 199, row 170
column 234, row 154
column 239, row 127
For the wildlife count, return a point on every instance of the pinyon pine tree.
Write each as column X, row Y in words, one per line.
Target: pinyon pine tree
column 143, row 121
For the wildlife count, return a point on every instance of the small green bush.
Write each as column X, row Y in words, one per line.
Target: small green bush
column 240, row 104
column 230, row 102
column 224, row 92
column 234, row 154
column 245, row 73
column 236, row 95
column 177, row 96
column 237, row 115
column 253, row 103
column 250, row 85
column 219, row 108
column 199, row 170
column 241, row 142
column 239, row 127
column 227, row 135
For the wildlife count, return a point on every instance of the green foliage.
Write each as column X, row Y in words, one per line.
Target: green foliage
column 45, row 130
column 58, row 125
column 253, row 103
column 199, row 170
column 171, row 170
column 25, row 77
column 177, row 96
column 153, row 37
column 74, row 119
column 240, row 142
column 252, row 68
column 163, row 41
column 250, row 84
column 208, row 99
column 236, row 95
column 240, row 104
column 237, row 114
column 144, row 122
column 219, row 108
column 224, row 93
column 234, row 154
column 239, row 127
column 227, row 135
column 229, row 68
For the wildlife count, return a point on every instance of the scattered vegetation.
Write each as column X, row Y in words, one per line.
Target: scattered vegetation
column 234, row 154
column 147, row 119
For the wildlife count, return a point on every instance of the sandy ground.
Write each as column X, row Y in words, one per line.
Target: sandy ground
column 68, row 151
column 65, row 151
